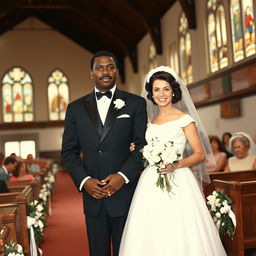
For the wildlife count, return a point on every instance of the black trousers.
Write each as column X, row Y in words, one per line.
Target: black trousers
column 104, row 231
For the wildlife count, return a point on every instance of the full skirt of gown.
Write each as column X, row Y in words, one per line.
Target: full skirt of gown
column 169, row 224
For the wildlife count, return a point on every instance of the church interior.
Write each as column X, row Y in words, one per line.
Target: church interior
column 45, row 51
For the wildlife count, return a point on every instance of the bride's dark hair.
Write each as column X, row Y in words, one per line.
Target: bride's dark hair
column 162, row 75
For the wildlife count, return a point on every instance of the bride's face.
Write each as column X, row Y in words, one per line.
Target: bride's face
column 162, row 93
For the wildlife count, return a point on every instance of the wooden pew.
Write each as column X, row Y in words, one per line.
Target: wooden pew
column 4, row 238
column 19, row 202
column 228, row 176
column 243, row 195
column 10, row 219
column 17, row 186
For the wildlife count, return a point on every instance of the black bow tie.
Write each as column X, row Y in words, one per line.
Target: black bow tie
column 99, row 95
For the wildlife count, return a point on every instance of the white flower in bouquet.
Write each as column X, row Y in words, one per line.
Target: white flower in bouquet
column 160, row 155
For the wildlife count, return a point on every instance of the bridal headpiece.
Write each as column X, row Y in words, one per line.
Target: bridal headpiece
column 186, row 105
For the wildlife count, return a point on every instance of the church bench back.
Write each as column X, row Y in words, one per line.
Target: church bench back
column 243, row 195
column 10, row 219
column 4, row 238
column 228, row 176
column 22, row 200
column 18, row 185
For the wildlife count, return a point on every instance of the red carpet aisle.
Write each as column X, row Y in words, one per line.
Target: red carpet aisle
column 65, row 233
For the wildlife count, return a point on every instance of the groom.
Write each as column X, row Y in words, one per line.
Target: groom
column 101, row 126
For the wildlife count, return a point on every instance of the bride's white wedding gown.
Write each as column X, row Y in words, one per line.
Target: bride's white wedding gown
column 162, row 224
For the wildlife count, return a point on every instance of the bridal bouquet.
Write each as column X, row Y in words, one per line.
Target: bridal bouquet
column 159, row 155
column 224, row 218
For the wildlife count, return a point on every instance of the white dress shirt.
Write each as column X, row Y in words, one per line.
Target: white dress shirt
column 103, row 105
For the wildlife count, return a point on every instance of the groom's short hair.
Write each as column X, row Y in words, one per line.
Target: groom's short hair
column 103, row 53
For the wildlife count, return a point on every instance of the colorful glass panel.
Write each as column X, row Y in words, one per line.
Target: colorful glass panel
column 17, row 93
column 58, row 95
column 249, row 27
column 185, row 54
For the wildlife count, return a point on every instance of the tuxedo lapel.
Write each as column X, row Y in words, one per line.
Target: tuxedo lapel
column 112, row 114
column 92, row 110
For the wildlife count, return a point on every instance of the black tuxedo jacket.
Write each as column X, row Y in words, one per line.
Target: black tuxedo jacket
column 105, row 149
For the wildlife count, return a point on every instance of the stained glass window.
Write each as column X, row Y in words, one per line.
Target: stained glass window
column 217, row 35
column 58, row 95
column 173, row 58
column 243, row 28
column 152, row 56
column 185, row 57
column 17, row 95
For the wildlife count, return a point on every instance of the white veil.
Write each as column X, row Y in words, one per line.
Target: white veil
column 185, row 105
column 252, row 149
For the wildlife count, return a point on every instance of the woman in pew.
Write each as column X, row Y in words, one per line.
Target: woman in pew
column 219, row 154
column 21, row 172
column 244, row 151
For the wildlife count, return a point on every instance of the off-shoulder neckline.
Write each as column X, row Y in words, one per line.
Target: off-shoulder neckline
column 168, row 121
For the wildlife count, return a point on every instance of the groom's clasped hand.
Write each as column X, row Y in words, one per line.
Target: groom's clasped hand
column 104, row 188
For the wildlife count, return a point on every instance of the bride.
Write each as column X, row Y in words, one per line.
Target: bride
column 162, row 223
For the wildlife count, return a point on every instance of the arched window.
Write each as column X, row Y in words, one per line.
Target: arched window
column 173, row 58
column 243, row 28
column 152, row 57
column 217, row 35
column 17, row 96
column 58, row 95
column 186, row 72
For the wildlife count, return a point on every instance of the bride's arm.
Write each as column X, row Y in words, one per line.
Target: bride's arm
column 193, row 139
column 196, row 157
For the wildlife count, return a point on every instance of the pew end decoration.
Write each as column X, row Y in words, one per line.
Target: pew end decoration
column 36, row 218
column 219, row 205
column 13, row 249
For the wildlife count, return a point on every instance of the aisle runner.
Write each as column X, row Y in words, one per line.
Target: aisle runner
column 65, row 234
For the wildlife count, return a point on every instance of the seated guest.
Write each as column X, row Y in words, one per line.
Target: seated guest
column 225, row 143
column 8, row 166
column 34, row 168
column 244, row 151
column 1, row 158
column 3, row 187
column 219, row 154
column 21, row 172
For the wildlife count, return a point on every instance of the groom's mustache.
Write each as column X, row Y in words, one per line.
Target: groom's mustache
column 106, row 76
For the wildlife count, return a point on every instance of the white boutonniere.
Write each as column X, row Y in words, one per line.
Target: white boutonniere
column 119, row 104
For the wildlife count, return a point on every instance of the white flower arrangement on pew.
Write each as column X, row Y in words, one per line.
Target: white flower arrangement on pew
column 36, row 218
column 219, row 205
column 13, row 249
column 50, row 180
column 46, row 190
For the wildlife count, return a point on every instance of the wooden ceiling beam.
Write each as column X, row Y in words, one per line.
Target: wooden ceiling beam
column 152, row 25
column 45, row 6
column 189, row 9
column 129, row 51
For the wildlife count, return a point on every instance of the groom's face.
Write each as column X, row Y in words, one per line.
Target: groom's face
column 104, row 73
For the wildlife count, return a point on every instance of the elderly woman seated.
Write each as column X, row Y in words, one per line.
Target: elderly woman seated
column 244, row 151
column 21, row 172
